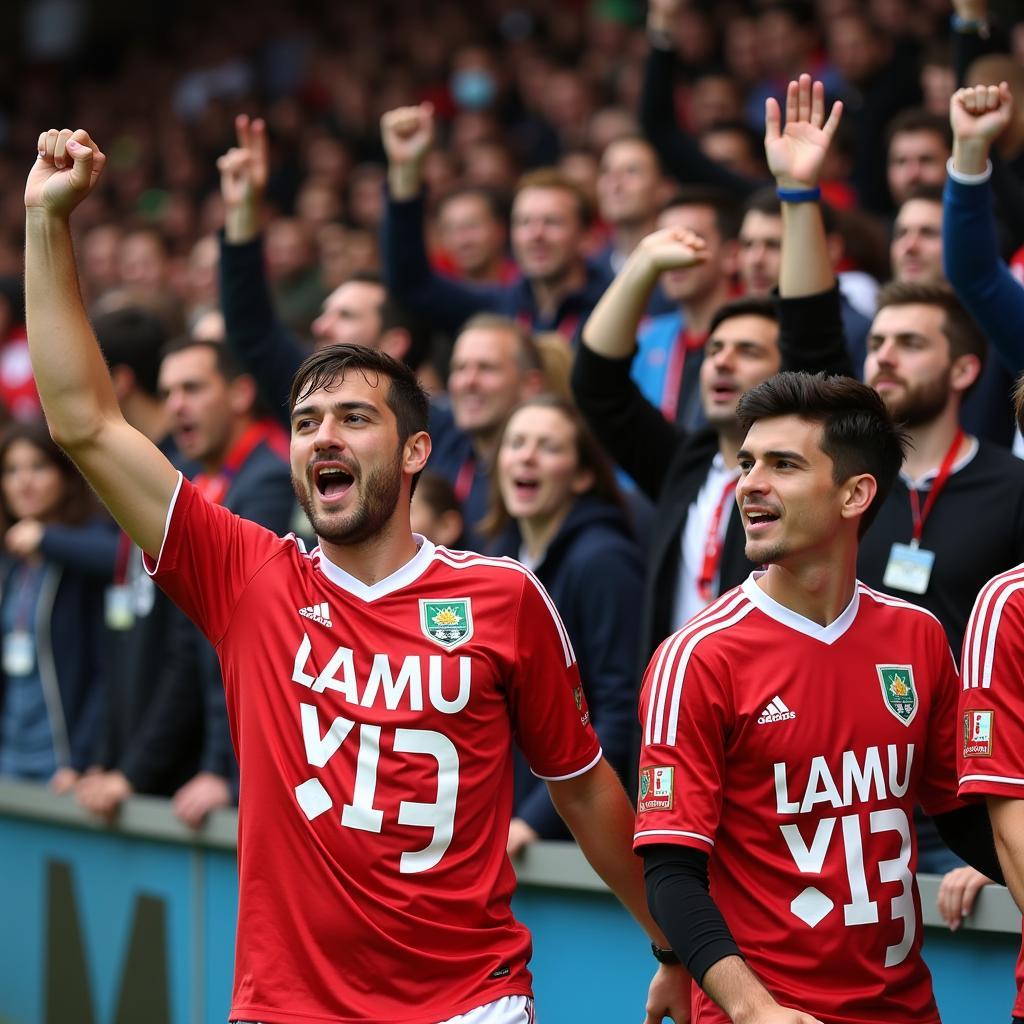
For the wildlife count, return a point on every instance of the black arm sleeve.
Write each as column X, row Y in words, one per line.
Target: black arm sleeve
column 967, row 831
column 680, row 901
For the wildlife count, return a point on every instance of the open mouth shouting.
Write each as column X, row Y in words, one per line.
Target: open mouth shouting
column 332, row 480
column 759, row 518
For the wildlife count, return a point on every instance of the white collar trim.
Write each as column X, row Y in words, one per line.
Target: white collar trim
column 787, row 617
column 400, row 578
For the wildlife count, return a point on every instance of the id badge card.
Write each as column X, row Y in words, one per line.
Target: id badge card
column 118, row 605
column 909, row 568
column 19, row 656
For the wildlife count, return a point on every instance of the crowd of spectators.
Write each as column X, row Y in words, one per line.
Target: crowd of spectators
column 461, row 184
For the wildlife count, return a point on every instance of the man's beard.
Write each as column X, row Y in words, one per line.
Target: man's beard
column 377, row 498
column 921, row 405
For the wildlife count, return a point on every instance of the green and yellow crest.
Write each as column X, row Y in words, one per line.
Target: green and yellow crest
column 447, row 621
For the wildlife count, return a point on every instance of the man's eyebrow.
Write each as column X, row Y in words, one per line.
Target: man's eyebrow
column 775, row 453
column 305, row 410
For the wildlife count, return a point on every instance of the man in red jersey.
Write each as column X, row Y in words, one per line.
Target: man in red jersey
column 789, row 730
column 373, row 685
column 990, row 751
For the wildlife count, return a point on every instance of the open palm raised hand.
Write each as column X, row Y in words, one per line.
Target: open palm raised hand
column 796, row 154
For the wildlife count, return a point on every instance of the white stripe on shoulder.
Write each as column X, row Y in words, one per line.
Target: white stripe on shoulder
column 894, row 602
column 666, row 655
column 298, row 541
column 675, row 655
column 469, row 559
column 983, row 626
column 673, row 832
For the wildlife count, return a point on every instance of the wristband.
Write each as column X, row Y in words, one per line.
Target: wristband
column 662, row 955
column 799, row 195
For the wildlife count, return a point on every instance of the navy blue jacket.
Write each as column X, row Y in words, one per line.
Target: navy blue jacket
column 594, row 572
column 447, row 303
column 79, row 565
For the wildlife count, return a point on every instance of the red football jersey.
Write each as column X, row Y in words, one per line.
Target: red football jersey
column 374, row 727
column 990, row 754
column 793, row 754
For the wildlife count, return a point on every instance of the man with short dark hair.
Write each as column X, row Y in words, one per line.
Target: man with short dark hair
column 775, row 805
column 919, row 144
column 550, row 215
column 375, row 671
column 473, row 232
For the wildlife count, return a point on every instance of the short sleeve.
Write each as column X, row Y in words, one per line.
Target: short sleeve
column 990, row 748
column 549, row 710
column 686, row 715
column 207, row 559
column 937, row 791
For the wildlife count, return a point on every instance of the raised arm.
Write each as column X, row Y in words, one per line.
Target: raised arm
column 125, row 468
column 407, row 134
column 263, row 345
column 811, row 335
column 613, row 405
column 970, row 252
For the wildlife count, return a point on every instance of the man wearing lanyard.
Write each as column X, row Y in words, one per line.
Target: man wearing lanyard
column 696, row 548
column 209, row 404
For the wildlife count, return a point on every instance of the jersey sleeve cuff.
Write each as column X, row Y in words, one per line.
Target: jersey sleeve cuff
column 672, row 837
column 574, row 774
column 991, row 785
column 969, row 179
column 152, row 566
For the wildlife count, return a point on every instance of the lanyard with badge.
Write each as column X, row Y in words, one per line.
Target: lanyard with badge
column 118, row 606
column 19, row 655
column 714, row 544
column 910, row 565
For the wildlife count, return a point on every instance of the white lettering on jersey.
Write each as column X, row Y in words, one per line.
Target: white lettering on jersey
column 384, row 687
column 862, row 780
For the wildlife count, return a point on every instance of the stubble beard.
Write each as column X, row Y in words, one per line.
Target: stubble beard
column 378, row 497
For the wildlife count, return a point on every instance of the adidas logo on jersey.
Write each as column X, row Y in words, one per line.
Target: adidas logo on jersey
column 318, row 613
column 775, row 712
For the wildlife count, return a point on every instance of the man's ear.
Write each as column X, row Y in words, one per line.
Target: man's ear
column 242, row 394
column 416, row 452
column 964, row 372
column 395, row 342
column 858, row 494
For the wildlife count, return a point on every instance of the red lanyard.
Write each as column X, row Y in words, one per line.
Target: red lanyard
column 464, row 481
column 945, row 470
column 214, row 487
column 684, row 344
column 713, row 545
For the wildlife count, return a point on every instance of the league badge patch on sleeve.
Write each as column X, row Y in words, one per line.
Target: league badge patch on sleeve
column 899, row 691
column 657, row 785
column 978, row 733
column 448, row 622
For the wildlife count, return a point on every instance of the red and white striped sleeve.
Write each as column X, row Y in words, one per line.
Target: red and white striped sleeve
column 990, row 748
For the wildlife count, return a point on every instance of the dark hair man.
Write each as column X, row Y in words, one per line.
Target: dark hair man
column 375, row 672
column 776, row 797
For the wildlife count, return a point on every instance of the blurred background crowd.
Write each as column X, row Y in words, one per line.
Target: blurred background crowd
column 530, row 152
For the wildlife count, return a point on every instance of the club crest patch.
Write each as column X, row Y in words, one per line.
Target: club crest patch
column 978, row 728
column 657, row 787
column 447, row 621
column 899, row 691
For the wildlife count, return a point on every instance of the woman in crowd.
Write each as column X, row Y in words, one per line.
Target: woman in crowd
column 58, row 556
column 556, row 507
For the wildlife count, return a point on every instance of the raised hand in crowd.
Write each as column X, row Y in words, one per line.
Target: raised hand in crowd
column 957, row 893
column 611, row 328
column 796, row 155
column 407, row 134
column 67, row 167
column 797, row 152
column 978, row 114
column 243, row 180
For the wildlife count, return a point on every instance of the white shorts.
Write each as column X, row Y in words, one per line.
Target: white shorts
column 506, row 1010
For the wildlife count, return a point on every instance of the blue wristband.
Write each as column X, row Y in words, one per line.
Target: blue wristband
column 799, row 195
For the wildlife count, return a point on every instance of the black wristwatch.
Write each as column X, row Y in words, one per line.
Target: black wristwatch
column 662, row 955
